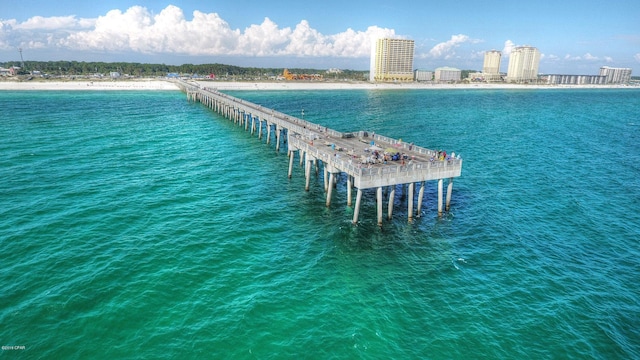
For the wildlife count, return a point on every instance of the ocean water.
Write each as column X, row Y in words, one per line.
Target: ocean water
column 138, row 225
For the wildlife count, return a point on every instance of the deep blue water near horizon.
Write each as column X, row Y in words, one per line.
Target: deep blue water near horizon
column 138, row 225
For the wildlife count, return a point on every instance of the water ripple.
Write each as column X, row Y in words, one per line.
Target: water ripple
column 153, row 228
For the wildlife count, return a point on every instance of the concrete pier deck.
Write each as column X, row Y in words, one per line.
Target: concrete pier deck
column 365, row 157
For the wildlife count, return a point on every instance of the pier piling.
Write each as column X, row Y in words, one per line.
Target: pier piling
column 356, row 154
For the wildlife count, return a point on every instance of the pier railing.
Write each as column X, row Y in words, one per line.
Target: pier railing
column 366, row 176
column 364, row 156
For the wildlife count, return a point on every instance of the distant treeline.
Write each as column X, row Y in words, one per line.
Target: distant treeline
column 70, row 68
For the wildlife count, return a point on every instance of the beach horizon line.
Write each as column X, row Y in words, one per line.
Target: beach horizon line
column 166, row 84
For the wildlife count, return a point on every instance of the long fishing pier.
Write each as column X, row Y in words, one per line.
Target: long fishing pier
column 369, row 160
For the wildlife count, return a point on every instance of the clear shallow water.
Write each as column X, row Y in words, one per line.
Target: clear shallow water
column 135, row 224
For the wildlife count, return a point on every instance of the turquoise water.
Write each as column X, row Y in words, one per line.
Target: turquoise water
column 138, row 225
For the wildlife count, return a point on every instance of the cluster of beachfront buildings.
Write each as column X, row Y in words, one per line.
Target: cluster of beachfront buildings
column 392, row 60
column 11, row 71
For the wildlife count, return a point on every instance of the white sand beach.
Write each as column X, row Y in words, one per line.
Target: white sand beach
column 162, row 84
column 344, row 85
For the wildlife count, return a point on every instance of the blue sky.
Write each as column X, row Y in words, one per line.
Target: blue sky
column 573, row 36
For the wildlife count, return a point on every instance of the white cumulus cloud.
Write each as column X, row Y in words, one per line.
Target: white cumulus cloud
column 52, row 23
column 588, row 56
column 508, row 47
column 264, row 39
column 138, row 30
column 585, row 57
column 446, row 50
column 637, row 57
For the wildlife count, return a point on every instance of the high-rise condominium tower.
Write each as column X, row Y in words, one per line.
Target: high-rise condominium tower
column 491, row 67
column 392, row 60
column 523, row 64
column 492, row 62
column 616, row 75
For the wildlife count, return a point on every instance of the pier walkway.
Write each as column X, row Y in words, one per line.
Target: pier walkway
column 369, row 160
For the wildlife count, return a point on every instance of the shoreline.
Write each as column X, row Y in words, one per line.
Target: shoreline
column 164, row 85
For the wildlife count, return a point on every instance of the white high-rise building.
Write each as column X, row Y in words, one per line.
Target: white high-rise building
column 491, row 67
column 492, row 62
column 616, row 75
column 392, row 60
column 523, row 64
